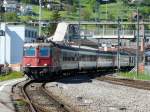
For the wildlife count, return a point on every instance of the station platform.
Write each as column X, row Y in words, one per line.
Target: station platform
column 6, row 104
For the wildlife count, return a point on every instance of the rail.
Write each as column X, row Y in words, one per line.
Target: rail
column 145, row 85
column 32, row 107
column 40, row 99
column 67, row 108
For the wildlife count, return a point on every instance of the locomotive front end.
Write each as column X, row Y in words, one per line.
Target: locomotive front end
column 37, row 60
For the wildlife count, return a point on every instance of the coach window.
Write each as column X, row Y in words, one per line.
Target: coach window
column 44, row 51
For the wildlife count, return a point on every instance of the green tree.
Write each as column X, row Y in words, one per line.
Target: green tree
column 86, row 14
column 111, row 16
column 26, row 1
column 146, row 2
column 145, row 12
column 26, row 19
column 52, row 27
column 56, row 16
column 125, row 2
column 11, row 17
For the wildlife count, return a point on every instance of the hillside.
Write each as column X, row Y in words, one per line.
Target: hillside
column 92, row 10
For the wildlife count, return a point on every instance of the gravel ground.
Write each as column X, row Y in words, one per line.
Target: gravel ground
column 90, row 95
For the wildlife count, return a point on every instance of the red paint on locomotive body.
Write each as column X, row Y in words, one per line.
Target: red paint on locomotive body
column 37, row 61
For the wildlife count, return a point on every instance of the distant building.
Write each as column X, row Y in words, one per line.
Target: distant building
column 26, row 10
column 135, row 1
column 11, row 5
column 53, row 5
column 1, row 7
column 12, row 41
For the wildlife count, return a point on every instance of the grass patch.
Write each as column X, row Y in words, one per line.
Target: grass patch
column 46, row 14
column 11, row 75
column 134, row 76
column 20, row 102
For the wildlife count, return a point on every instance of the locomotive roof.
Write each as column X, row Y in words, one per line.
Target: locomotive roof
column 36, row 44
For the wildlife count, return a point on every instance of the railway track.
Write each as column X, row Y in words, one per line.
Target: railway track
column 40, row 100
column 126, row 82
column 17, row 97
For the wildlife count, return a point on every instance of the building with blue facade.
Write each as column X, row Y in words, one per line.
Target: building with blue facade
column 12, row 41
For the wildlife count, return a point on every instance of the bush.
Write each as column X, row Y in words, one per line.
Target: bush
column 11, row 17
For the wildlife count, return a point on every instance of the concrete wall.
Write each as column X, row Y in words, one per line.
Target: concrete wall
column 1, row 49
column 15, row 40
column 11, row 45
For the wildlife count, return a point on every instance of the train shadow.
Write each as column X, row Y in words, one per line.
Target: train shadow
column 75, row 79
column 82, row 77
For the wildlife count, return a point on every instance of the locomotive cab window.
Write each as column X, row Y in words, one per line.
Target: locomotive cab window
column 29, row 51
column 44, row 51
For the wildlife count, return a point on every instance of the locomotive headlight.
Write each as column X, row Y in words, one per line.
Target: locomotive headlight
column 45, row 64
column 28, row 64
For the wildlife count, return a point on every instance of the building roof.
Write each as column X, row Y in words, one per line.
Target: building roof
column 10, row 2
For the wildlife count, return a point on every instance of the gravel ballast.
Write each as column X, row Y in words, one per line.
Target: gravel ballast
column 90, row 95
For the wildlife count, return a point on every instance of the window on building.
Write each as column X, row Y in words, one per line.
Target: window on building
column 26, row 33
column 35, row 34
column 32, row 34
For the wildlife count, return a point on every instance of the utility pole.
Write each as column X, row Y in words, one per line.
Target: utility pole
column 5, row 50
column 118, row 49
column 97, row 4
column 106, row 10
column 40, row 11
column 79, row 17
column 79, row 40
column 137, row 49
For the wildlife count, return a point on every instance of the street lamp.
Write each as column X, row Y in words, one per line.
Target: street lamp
column 79, row 16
